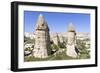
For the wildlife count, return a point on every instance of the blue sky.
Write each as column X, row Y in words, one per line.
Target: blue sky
column 57, row 22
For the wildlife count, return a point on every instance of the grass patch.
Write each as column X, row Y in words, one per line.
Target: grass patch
column 60, row 56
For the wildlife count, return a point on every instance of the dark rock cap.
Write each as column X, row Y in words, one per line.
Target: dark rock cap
column 71, row 28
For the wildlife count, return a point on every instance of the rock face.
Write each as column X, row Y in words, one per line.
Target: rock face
column 55, row 39
column 42, row 39
column 71, row 36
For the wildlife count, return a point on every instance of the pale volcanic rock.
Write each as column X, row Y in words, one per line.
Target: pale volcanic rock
column 71, row 39
column 42, row 39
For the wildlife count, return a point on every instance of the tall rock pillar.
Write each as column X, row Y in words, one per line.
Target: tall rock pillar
column 71, row 35
column 42, row 39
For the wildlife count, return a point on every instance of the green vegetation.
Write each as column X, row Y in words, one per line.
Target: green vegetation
column 54, row 47
column 84, row 52
column 28, row 49
column 62, row 45
column 60, row 56
column 28, row 40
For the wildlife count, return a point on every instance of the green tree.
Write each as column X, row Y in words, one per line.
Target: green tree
column 62, row 45
column 84, row 53
column 28, row 40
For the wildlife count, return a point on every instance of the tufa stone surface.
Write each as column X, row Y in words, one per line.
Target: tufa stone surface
column 71, row 39
column 42, row 39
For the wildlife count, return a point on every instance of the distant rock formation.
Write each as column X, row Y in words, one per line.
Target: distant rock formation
column 42, row 39
column 55, row 39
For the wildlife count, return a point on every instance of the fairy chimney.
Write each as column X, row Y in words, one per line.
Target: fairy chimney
column 71, row 38
column 56, row 39
column 42, row 39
